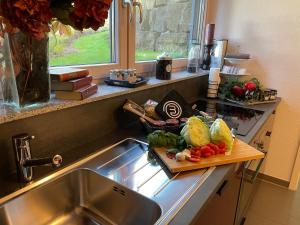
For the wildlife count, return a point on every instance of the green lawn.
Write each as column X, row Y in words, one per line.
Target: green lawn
column 88, row 49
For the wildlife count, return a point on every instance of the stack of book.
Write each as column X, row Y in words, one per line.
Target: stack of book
column 72, row 83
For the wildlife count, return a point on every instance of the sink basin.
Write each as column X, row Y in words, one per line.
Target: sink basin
column 80, row 197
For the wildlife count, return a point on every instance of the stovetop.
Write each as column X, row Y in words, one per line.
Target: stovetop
column 239, row 118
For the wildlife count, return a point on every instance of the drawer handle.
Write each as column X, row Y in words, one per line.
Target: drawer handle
column 219, row 192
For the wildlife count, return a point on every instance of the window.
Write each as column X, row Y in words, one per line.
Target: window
column 167, row 26
column 81, row 48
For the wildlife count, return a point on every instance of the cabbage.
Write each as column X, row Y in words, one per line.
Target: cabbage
column 220, row 132
column 195, row 132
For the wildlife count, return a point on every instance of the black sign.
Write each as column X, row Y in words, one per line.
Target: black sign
column 174, row 106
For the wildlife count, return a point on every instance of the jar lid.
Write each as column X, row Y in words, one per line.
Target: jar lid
column 164, row 56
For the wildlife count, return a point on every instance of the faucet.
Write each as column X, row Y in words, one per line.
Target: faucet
column 24, row 162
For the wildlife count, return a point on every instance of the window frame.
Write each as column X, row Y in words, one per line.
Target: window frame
column 146, row 66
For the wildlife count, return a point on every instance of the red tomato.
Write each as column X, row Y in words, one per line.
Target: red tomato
column 237, row 91
column 205, row 149
column 222, row 145
column 206, row 155
column 214, row 147
column 250, row 85
column 222, row 151
column 196, row 153
column 193, row 159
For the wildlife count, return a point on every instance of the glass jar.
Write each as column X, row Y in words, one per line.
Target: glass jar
column 194, row 59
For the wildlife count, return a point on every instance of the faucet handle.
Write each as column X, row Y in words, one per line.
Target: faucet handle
column 57, row 160
column 28, row 138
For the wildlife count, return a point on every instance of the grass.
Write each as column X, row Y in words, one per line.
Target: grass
column 90, row 48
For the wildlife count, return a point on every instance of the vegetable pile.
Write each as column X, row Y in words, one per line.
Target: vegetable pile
column 241, row 90
column 198, row 139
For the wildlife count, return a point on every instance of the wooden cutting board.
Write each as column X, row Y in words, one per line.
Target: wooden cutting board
column 240, row 152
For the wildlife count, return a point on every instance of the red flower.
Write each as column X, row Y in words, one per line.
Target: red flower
column 30, row 16
column 90, row 13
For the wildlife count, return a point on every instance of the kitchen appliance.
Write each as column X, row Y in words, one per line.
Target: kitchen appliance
column 239, row 118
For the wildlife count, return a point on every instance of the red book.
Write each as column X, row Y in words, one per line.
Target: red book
column 79, row 94
column 67, row 73
column 71, row 85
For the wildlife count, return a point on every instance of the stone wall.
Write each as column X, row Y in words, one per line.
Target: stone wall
column 166, row 26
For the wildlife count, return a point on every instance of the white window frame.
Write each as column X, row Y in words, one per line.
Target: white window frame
column 146, row 66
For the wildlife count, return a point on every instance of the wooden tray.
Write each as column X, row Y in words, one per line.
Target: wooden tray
column 241, row 152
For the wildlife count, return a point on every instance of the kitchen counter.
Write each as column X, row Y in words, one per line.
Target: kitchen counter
column 214, row 181
column 201, row 196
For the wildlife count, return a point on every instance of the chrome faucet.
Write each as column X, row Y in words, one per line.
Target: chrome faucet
column 24, row 162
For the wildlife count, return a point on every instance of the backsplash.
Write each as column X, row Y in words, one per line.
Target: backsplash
column 79, row 131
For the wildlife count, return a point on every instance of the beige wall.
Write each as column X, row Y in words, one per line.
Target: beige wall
column 270, row 31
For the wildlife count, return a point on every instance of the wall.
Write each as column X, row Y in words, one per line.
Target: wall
column 270, row 31
column 165, row 26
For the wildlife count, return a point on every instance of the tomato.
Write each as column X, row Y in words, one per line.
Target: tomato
column 222, row 145
column 196, row 153
column 193, row 159
column 214, row 147
column 205, row 149
column 250, row 86
column 206, row 155
column 237, row 91
column 222, row 151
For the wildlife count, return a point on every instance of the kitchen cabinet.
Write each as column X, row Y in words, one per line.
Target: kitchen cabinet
column 251, row 169
column 221, row 208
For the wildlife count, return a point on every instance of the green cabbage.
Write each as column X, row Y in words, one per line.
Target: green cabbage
column 195, row 132
column 220, row 132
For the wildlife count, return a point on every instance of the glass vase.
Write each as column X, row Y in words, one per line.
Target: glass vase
column 24, row 71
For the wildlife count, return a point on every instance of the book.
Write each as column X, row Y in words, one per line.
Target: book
column 71, row 85
column 65, row 74
column 79, row 94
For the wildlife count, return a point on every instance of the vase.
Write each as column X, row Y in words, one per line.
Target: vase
column 24, row 71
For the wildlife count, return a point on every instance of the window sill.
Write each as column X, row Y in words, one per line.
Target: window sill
column 7, row 114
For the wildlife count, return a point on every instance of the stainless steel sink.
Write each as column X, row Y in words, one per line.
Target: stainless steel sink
column 80, row 197
column 122, row 184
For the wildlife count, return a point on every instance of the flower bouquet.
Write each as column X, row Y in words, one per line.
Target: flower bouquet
column 24, row 28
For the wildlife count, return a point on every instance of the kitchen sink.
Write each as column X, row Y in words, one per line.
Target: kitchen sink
column 122, row 184
column 80, row 197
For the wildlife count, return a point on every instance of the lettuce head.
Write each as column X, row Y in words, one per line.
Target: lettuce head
column 220, row 132
column 195, row 132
